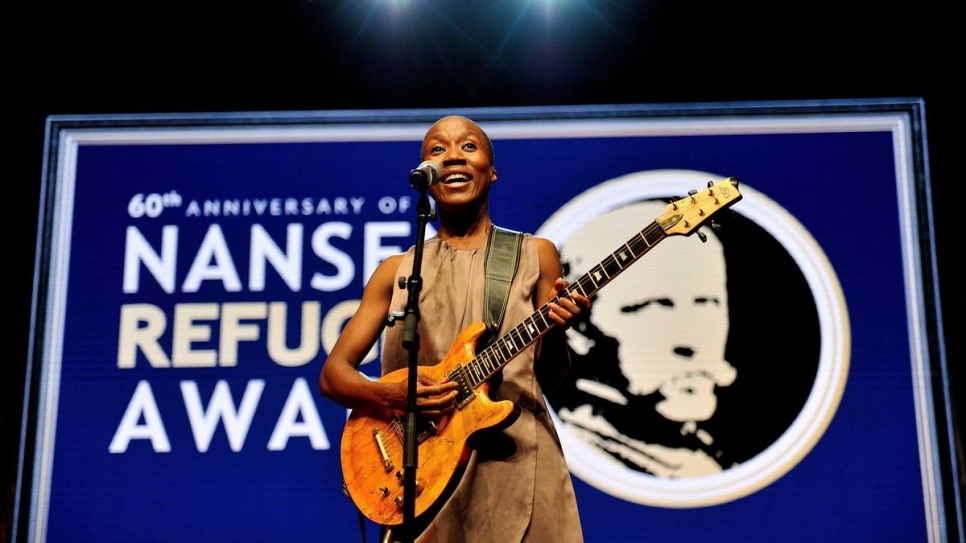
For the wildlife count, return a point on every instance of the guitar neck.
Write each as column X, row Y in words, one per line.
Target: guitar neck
column 507, row 347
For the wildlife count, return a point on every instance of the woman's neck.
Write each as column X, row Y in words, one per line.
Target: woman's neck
column 465, row 234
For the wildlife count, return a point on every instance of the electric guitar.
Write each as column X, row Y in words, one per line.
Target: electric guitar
column 373, row 439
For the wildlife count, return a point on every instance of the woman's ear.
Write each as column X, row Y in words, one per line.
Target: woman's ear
column 493, row 177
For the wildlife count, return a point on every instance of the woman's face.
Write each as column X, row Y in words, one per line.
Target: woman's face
column 461, row 149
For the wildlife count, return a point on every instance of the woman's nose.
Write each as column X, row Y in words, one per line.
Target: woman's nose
column 453, row 156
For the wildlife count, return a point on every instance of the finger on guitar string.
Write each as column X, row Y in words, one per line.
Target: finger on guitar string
column 568, row 311
column 570, row 301
column 437, row 406
column 434, row 397
column 427, row 386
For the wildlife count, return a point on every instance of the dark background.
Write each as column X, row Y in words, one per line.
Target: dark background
column 296, row 55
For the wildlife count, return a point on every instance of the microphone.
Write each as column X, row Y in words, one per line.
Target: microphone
column 425, row 175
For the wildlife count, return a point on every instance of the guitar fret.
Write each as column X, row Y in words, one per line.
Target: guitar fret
column 543, row 317
column 476, row 372
column 508, row 347
column 484, row 363
column 643, row 236
column 518, row 341
column 503, row 351
column 638, row 245
column 495, row 361
column 597, row 275
column 583, row 282
column 487, row 362
column 478, row 375
column 514, row 335
column 656, row 235
column 532, row 328
column 623, row 257
column 612, row 266
column 544, row 312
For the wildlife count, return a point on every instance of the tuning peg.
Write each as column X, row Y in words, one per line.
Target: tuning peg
column 702, row 236
column 710, row 184
column 715, row 226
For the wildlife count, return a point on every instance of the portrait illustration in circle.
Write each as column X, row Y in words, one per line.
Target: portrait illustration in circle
column 711, row 365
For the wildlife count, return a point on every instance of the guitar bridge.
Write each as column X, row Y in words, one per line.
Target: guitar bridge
column 386, row 460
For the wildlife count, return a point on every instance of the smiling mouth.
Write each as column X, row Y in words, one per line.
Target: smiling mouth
column 456, row 178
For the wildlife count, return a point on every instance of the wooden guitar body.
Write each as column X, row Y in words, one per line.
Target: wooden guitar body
column 377, row 487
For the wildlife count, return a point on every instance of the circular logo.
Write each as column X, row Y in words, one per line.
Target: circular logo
column 704, row 371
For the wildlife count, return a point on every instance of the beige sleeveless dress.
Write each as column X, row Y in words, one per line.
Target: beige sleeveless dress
column 517, row 487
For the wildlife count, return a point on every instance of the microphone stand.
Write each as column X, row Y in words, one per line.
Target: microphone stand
column 411, row 343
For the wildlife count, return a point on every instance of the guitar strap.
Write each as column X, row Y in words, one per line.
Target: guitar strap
column 500, row 265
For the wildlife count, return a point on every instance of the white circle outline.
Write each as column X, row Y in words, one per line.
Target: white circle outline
column 607, row 475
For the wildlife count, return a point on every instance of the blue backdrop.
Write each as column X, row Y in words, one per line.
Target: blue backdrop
column 173, row 244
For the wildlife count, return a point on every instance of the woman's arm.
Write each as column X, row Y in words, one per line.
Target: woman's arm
column 552, row 352
column 339, row 379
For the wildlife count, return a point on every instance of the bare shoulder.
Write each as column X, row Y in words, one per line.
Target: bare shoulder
column 545, row 246
column 383, row 279
column 391, row 263
column 548, row 256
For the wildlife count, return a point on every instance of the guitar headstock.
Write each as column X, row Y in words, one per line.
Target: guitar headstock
column 686, row 215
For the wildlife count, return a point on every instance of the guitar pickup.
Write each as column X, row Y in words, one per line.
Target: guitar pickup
column 464, row 391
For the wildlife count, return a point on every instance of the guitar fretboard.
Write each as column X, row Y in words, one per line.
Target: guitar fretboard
column 488, row 361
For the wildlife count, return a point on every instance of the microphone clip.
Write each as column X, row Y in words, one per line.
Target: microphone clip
column 427, row 174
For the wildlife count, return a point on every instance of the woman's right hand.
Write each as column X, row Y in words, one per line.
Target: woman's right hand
column 434, row 398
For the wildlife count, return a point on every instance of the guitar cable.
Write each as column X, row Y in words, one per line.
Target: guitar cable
column 362, row 518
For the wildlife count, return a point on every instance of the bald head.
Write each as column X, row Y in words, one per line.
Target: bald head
column 471, row 126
